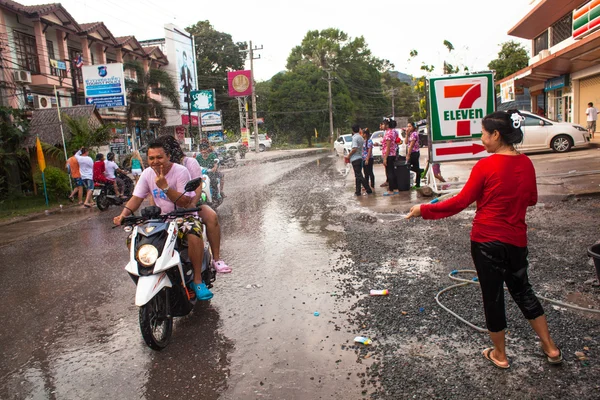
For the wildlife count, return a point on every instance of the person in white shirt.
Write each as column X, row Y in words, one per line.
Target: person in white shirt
column 592, row 116
column 86, row 168
column 110, row 166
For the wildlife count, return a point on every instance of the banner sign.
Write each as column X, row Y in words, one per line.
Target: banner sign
column 507, row 91
column 556, row 83
column 240, row 83
column 457, row 105
column 586, row 19
column 203, row 100
column 211, row 118
column 58, row 64
column 104, row 85
column 185, row 120
column 180, row 133
column 215, row 136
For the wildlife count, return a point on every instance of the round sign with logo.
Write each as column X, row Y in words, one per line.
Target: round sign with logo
column 240, row 83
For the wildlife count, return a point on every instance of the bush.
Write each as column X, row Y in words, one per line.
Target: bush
column 57, row 182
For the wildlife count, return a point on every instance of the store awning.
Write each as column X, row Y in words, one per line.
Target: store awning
column 583, row 54
column 546, row 13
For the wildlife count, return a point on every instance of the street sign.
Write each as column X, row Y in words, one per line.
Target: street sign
column 203, row 100
column 211, row 118
column 459, row 150
column 457, row 107
column 185, row 120
column 212, row 128
column 104, row 85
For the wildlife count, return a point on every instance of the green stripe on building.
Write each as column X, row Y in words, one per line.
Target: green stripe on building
column 581, row 21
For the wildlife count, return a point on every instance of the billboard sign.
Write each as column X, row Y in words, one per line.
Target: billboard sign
column 185, row 120
column 184, row 58
column 203, row 100
column 457, row 107
column 212, row 128
column 215, row 136
column 240, row 83
column 104, row 85
column 211, row 118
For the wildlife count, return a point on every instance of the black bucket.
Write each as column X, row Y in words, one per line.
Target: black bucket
column 402, row 172
column 594, row 252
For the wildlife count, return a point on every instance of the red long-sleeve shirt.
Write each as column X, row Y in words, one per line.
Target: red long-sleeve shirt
column 503, row 186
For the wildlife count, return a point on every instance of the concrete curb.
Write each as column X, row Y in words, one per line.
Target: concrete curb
column 29, row 217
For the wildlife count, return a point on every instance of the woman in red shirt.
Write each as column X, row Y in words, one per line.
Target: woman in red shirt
column 503, row 185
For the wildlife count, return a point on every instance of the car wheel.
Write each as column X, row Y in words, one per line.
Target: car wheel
column 561, row 144
column 261, row 147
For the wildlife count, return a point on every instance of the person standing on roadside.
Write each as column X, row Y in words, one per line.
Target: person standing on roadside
column 592, row 117
column 388, row 154
column 137, row 165
column 73, row 167
column 413, row 152
column 367, row 156
column 503, row 185
column 355, row 158
column 86, row 169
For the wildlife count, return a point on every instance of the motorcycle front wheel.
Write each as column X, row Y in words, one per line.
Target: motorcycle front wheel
column 102, row 201
column 156, row 323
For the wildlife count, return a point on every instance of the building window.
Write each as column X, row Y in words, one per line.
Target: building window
column 26, row 50
column 562, row 29
column 73, row 55
column 540, row 43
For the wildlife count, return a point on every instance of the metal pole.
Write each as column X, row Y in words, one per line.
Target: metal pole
column 330, row 106
column 254, row 118
column 393, row 110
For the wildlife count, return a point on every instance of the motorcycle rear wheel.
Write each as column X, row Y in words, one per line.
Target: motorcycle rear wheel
column 156, row 322
column 102, row 202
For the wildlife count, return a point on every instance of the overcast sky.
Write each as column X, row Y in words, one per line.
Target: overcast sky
column 391, row 28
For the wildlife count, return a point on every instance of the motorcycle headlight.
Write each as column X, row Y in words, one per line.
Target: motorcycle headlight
column 147, row 255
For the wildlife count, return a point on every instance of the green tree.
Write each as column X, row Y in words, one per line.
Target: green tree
column 85, row 135
column 14, row 158
column 140, row 102
column 216, row 54
column 512, row 57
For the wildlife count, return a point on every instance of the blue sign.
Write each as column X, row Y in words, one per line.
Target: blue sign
column 106, row 101
column 215, row 136
column 556, row 83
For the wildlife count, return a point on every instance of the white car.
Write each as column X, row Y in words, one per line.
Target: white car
column 343, row 145
column 377, row 138
column 264, row 143
column 541, row 133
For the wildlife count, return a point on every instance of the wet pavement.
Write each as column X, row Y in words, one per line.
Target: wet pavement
column 299, row 243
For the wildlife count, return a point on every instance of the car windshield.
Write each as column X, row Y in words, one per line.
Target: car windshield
column 348, row 138
column 377, row 135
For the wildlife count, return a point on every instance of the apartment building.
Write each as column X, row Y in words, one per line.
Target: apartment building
column 39, row 46
column 563, row 74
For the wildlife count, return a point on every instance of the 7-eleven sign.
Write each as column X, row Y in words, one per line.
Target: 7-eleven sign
column 458, row 104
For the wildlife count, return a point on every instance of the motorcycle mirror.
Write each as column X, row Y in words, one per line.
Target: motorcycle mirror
column 192, row 185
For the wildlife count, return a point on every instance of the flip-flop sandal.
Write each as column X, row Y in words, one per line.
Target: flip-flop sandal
column 71, row 199
column 87, row 206
column 487, row 354
column 554, row 360
column 389, row 194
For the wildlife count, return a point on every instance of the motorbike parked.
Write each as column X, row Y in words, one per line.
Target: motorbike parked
column 161, row 269
column 104, row 193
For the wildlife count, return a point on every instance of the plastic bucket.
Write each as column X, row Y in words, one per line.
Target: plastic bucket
column 594, row 252
column 402, row 172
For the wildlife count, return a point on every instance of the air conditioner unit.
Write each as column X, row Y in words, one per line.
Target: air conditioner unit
column 544, row 54
column 42, row 102
column 22, row 76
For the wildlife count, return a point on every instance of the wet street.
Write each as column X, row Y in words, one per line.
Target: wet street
column 298, row 243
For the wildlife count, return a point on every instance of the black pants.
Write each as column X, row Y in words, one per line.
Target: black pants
column 360, row 179
column 499, row 263
column 390, row 172
column 368, row 170
column 414, row 166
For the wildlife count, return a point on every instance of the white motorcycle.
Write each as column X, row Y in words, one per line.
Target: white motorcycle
column 160, row 267
column 211, row 194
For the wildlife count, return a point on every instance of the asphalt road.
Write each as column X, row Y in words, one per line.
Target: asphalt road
column 299, row 243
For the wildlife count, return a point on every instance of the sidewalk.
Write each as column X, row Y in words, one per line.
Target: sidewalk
column 276, row 155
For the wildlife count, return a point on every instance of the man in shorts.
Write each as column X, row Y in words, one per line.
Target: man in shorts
column 86, row 168
column 73, row 167
column 592, row 116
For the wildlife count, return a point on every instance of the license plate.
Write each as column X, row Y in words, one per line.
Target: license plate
column 97, row 192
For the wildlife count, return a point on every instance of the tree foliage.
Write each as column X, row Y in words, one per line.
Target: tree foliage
column 140, row 103
column 85, row 135
column 14, row 158
column 216, row 54
column 512, row 57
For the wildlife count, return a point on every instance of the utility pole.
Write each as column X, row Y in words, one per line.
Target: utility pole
column 254, row 117
column 393, row 109
column 329, row 79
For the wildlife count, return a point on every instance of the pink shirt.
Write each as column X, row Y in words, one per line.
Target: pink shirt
column 390, row 135
column 177, row 177
column 193, row 167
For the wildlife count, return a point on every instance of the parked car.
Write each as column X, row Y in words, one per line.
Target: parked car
column 343, row 145
column 377, row 138
column 264, row 143
column 423, row 138
column 541, row 133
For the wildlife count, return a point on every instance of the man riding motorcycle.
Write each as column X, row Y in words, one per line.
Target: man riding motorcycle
column 165, row 181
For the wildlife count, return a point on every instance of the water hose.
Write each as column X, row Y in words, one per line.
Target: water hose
column 465, row 282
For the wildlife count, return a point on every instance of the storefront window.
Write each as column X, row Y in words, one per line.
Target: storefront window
column 560, row 104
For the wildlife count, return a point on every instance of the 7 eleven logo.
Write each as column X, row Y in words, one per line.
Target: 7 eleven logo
column 461, row 105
